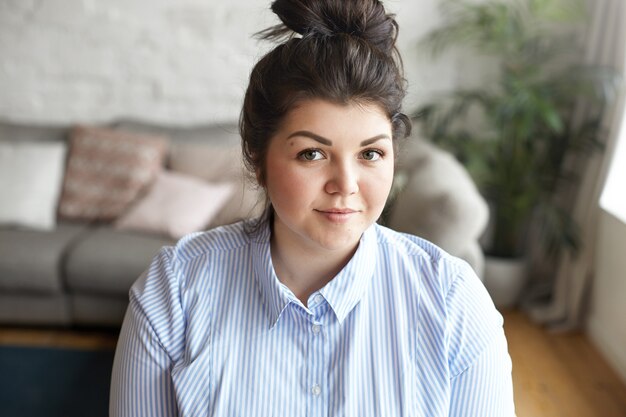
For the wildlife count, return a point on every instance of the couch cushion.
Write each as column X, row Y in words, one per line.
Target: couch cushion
column 213, row 153
column 98, row 309
column 30, row 182
column 108, row 261
column 219, row 164
column 176, row 205
column 35, row 309
column 106, row 171
column 32, row 260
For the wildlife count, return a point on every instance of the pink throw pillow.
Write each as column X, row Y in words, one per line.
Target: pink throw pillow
column 106, row 170
column 176, row 205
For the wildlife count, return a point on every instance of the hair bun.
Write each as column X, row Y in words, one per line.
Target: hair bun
column 365, row 19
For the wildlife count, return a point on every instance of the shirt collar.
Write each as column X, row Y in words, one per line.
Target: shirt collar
column 342, row 293
column 346, row 290
column 274, row 295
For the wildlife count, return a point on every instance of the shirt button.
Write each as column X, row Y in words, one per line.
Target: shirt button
column 316, row 390
column 316, row 328
column 318, row 299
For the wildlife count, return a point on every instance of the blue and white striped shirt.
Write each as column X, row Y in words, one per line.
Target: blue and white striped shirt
column 403, row 330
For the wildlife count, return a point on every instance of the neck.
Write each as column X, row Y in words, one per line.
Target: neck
column 305, row 270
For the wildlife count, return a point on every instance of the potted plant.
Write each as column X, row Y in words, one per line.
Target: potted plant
column 519, row 133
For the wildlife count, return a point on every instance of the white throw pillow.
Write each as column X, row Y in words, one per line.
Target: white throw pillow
column 175, row 205
column 30, row 183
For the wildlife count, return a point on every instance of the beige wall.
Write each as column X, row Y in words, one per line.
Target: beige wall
column 607, row 320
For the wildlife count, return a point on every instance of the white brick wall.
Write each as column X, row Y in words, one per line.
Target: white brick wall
column 170, row 61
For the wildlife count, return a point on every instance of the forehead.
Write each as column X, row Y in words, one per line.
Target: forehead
column 355, row 120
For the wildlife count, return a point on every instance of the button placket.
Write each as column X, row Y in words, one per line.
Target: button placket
column 317, row 363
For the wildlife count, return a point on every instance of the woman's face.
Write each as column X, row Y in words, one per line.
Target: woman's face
column 329, row 170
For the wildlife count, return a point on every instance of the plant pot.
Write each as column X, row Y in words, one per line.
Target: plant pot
column 505, row 278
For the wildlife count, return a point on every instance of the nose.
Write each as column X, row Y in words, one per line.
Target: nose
column 343, row 179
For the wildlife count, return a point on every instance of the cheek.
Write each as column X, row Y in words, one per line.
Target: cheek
column 288, row 187
column 378, row 186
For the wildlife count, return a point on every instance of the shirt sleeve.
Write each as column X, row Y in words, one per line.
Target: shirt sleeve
column 141, row 383
column 479, row 362
column 485, row 388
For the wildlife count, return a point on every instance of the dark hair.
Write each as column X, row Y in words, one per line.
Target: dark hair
column 345, row 52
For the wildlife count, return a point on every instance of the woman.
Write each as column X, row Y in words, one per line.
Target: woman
column 314, row 309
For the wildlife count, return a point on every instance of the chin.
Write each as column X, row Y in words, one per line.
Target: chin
column 340, row 241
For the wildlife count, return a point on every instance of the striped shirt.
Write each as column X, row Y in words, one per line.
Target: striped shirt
column 403, row 330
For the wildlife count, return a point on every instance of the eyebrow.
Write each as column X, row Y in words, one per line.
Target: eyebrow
column 329, row 142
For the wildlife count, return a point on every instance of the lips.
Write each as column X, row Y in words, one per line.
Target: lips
column 339, row 210
column 338, row 215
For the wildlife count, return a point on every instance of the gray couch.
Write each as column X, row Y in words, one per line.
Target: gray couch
column 80, row 274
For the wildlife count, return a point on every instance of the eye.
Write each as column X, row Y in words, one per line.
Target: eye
column 311, row 155
column 372, row 155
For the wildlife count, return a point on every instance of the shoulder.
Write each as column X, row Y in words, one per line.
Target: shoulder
column 408, row 244
column 430, row 263
column 452, row 300
column 221, row 239
column 187, row 262
column 179, row 276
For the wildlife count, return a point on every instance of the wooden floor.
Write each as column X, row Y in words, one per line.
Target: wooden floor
column 554, row 375
column 560, row 375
